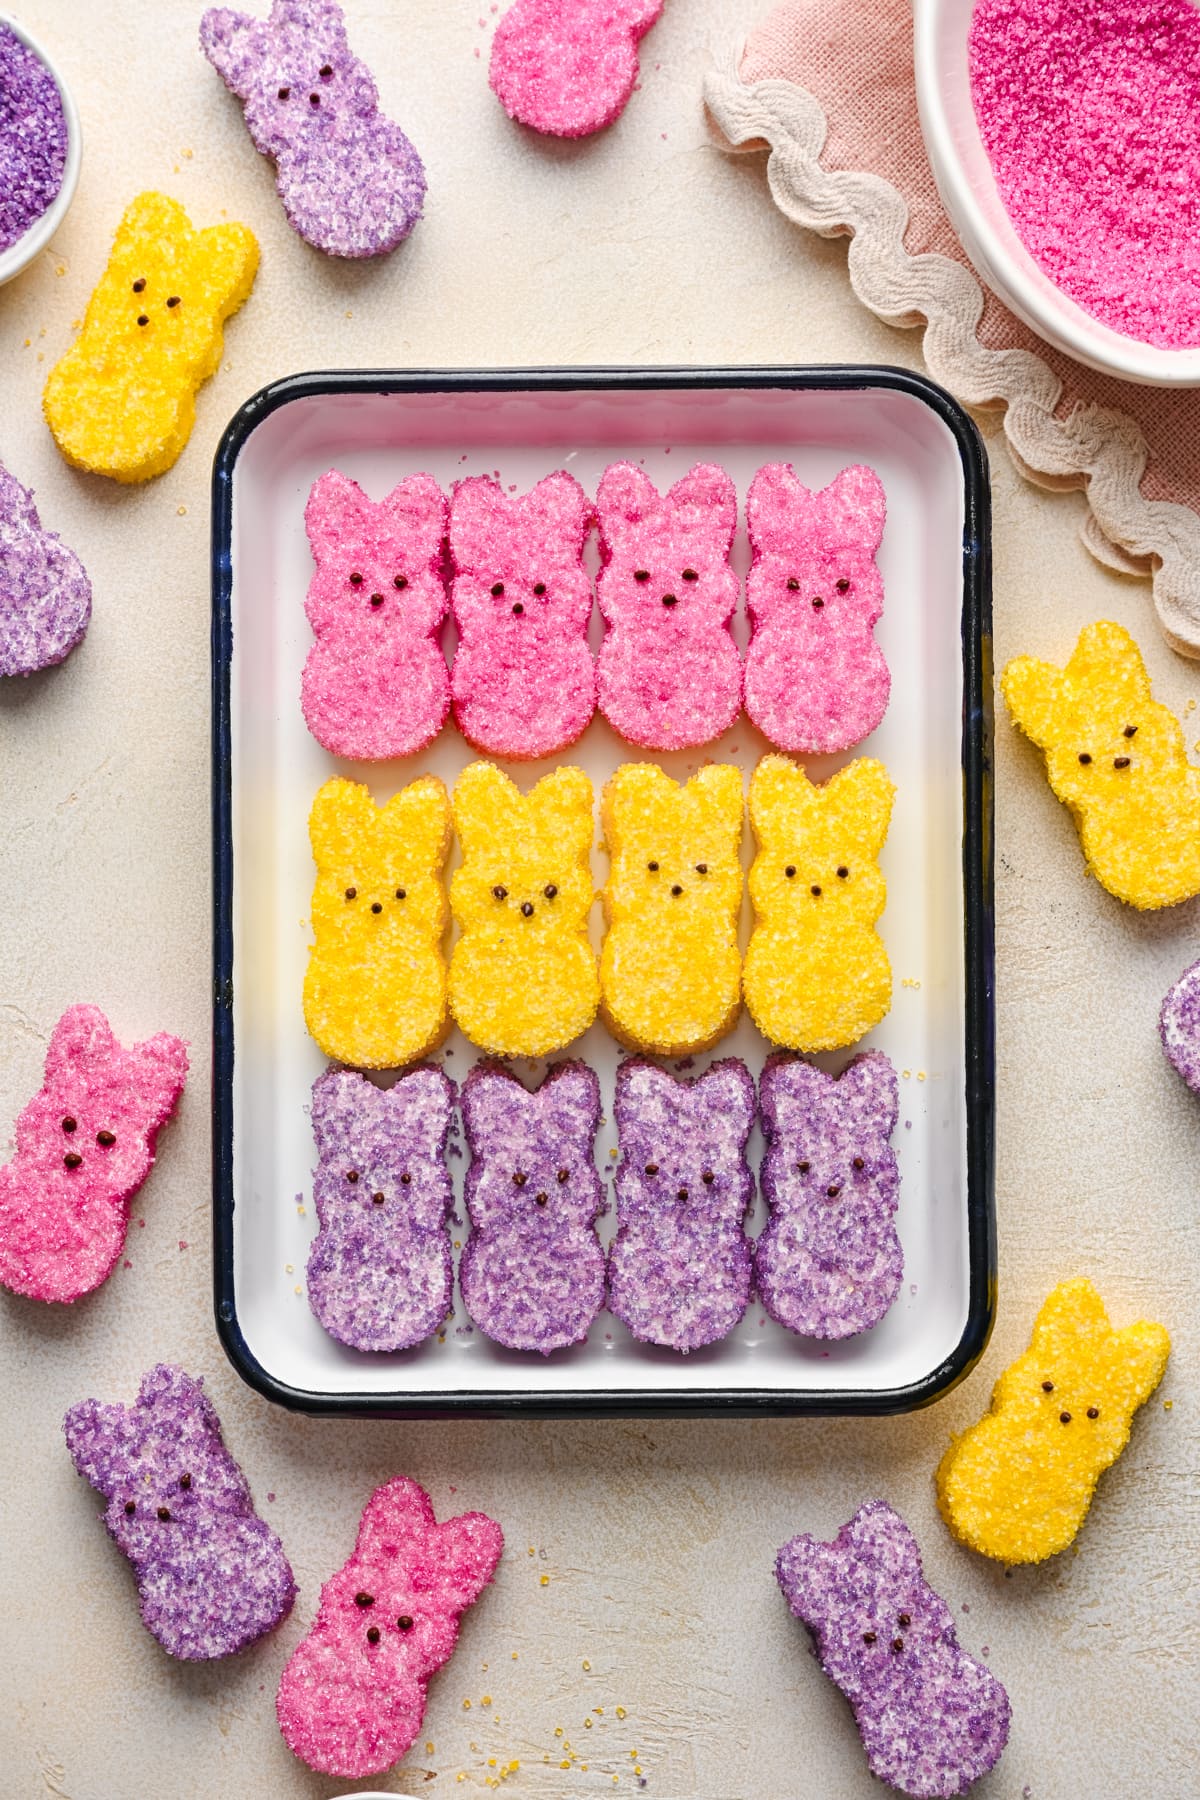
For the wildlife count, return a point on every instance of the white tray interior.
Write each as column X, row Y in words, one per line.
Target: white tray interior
column 277, row 767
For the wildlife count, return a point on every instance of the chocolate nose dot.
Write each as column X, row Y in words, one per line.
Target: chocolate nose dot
column 404, row 1623
column 376, row 907
column 1064, row 1418
column 793, row 584
column 130, row 1508
column 1047, row 1387
column 833, row 1191
column 677, row 890
column 72, row 1159
column 372, row 1634
column 702, row 868
column 527, row 909
column 550, row 891
column 518, row 608
column 164, row 1513
column 1120, row 762
column 669, row 600
column 142, row 319
column 541, row 1199
column 897, row 1645
column 376, row 1199
column 682, row 1194
column 868, row 1637
column 314, row 99
column 815, row 890
column 284, row 92
column 376, row 599
column 818, row 602
column 106, row 1138
column 173, row 301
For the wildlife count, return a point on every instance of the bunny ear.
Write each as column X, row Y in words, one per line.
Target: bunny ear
column 1031, row 690
column 425, row 1099
column 853, row 508
column 1073, row 1309
column 16, row 501
column 336, row 505
column 466, row 1552
column 637, row 795
column 1138, row 1361
column 639, row 1083
column 1107, row 661
column 228, row 40
column 480, row 517
column 230, row 260
column 705, row 502
column 100, row 1439
column 802, row 1569
column 776, row 502
column 82, row 1041
column 572, row 1092
column 162, row 1065
column 343, row 822
column 487, row 806
column 559, row 513
column 336, row 1097
column 869, row 1093
column 625, row 499
column 490, row 1097
column 419, row 818
column 718, row 786
column 562, row 801
column 859, row 797
column 880, row 1535
column 726, row 1091
column 417, row 510
column 792, row 1092
column 781, row 797
column 167, row 1384
column 396, row 1513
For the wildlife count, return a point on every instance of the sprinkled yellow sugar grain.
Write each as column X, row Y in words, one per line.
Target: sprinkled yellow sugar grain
column 122, row 400
column 375, row 990
column 523, row 978
column 816, row 975
column 670, row 970
column 545, row 1580
column 1117, row 759
column 1017, row 1485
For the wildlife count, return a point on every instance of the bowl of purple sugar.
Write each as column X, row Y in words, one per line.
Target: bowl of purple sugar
column 40, row 148
column 1064, row 137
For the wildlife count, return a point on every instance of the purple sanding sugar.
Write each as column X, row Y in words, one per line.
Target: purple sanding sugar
column 212, row 1576
column 379, row 1272
column 33, row 138
column 1179, row 1026
column 679, row 1268
column 350, row 181
column 829, row 1263
column 532, row 1273
column 932, row 1719
column 45, row 595
column 1088, row 110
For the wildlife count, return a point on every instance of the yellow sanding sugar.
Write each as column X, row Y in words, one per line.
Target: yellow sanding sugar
column 670, row 972
column 817, row 975
column 1117, row 759
column 122, row 401
column 375, row 990
column 523, row 978
column 1017, row 1485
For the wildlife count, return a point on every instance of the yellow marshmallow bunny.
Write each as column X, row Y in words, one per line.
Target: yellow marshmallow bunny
column 375, row 989
column 816, row 975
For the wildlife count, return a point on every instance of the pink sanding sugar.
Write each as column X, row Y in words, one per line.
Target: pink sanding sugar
column 1090, row 113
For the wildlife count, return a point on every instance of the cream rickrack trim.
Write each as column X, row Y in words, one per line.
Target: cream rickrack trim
column 1095, row 447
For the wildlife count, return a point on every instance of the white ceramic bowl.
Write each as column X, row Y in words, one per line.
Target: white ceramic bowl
column 969, row 193
column 19, row 255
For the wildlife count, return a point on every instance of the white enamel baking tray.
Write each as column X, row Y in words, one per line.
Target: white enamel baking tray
column 935, row 739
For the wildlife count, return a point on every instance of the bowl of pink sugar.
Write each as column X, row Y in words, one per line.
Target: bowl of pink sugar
column 1064, row 137
column 40, row 149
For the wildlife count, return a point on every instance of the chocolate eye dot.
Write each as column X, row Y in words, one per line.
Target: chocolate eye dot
column 406, row 1181
column 1120, row 762
column 399, row 581
column 500, row 893
column 859, row 1163
column 106, row 1138
column 372, row 1634
column 402, row 893
column 173, row 300
column 842, row 585
column 641, row 574
column 497, row 589
column 356, row 579
column 843, row 872
column 904, row 1621
column 550, row 890
column 702, row 868
column 653, row 867
column 1084, row 757
column 520, row 1178
column 539, row 588
column 564, row 1175
column 1047, row 1387
column 284, row 92
column 70, row 1124
column 1131, row 731
column 802, row 1168
column 185, row 1482
column 164, row 1513
column 326, row 70
column 790, row 871
column 363, row 1599
column 1093, row 1412
column 708, row 1178
column 139, row 286
column 1064, row 1418
column 130, row 1508
column 351, row 1175
column 868, row 1637
column 352, row 893
column 652, row 1168
column 376, row 907
column 690, row 575
column 404, row 1623
column 793, row 584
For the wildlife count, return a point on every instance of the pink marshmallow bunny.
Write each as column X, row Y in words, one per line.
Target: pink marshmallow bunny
column 85, row 1144
column 568, row 67
column 352, row 1698
column 524, row 682
column 816, row 680
column 670, row 677
column 375, row 683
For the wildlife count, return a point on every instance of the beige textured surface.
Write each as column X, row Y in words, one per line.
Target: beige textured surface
column 658, row 1539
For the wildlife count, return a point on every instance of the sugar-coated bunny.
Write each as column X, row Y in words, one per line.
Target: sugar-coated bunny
column 375, row 987
column 568, row 67
column 350, row 181
column 669, row 674
column 352, row 1697
column 1017, row 1485
column 829, row 1263
column 524, row 682
column 670, row 970
column 932, row 1719
column 679, row 1268
column 816, row 975
column 380, row 1275
column 816, row 680
column 523, row 979
column 532, row 1273
column 375, row 683
column 211, row 1575
column 1117, row 759
column 1179, row 1026
column 85, row 1144
column 122, row 401
column 45, row 595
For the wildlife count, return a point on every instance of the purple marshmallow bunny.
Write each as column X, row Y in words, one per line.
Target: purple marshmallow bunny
column 212, row 1576
column 532, row 1273
column 932, row 1719
column 45, row 595
column 350, row 181
column 829, row 1263
column 679, row 1267
column 379, row 1271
